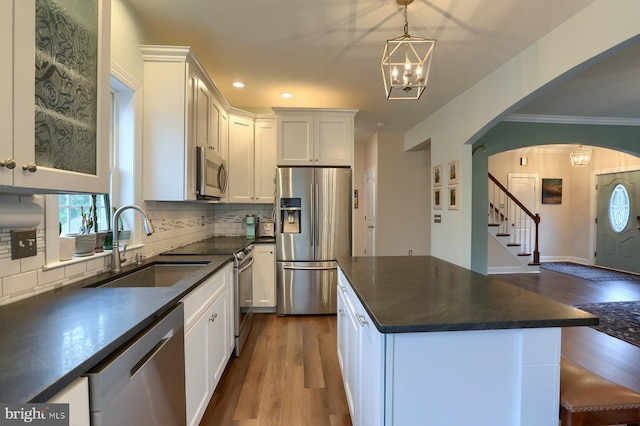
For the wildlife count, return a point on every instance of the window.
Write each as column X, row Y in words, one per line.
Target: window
column 619, row 208
column 71, row 207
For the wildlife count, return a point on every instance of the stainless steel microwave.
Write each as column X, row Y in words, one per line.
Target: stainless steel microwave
column 211, row 174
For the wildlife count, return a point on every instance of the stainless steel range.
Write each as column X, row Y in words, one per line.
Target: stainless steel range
column 242, row 273
column 243, row 277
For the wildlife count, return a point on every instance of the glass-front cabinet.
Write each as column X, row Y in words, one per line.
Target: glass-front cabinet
column 56, row 138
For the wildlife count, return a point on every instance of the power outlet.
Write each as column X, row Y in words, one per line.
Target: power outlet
column 23, row 243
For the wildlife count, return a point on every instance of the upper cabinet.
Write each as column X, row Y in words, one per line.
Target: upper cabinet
column 314, row 137
column 55, row 109
column 182, row 109
column 252, row 158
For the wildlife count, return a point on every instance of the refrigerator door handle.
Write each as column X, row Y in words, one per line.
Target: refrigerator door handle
column 316, row 237
column 313, row 216
column 310, row 268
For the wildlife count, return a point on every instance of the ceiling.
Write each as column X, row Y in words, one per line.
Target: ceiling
column 327, row 52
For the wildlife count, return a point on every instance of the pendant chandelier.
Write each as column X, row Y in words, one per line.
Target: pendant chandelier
column 405, row 63
column 581, row 157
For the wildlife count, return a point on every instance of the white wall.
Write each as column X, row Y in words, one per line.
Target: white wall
column 402, row 215
column 359, row 166
column 476, row 110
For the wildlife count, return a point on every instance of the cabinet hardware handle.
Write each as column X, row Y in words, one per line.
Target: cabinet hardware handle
column 213, row 317
column 30, row 167
column 341, row 312
column 362, row 320
column 9, row 163
column 343, row 288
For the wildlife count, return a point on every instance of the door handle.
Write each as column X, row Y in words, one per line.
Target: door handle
column 310, row 268
column 370, row 226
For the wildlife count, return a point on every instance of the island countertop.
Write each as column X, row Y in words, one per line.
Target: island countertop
column 427, row 294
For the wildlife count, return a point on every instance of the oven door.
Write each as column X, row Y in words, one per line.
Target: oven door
column 244, row 301
column 211, row 174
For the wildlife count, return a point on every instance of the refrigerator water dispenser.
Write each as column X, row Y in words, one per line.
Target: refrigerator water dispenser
column 290, row 215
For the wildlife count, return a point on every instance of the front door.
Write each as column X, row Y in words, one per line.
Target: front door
column 618, row 221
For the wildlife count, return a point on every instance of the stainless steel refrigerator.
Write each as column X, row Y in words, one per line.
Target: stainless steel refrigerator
column 313, row 228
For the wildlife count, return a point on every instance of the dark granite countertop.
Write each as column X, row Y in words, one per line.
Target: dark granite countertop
column 424, row 293
column 50, row 340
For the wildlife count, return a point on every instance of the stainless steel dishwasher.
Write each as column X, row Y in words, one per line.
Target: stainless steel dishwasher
column 143, row 382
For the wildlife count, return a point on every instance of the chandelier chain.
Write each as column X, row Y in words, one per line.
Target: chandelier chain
column 406, row 22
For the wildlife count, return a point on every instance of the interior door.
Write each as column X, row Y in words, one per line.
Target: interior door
column 523, row 187
column 369, row 212
column 618, row 221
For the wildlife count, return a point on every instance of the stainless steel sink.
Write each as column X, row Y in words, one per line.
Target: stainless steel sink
column 156, row 275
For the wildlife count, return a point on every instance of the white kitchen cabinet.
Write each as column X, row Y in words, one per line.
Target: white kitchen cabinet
column 77, row 396
column 265, row 159
column 241, row 156
column 314, row 137
column 361, row 358
column 252, row 158
column 35, row 160
column 264, row 277
column 206, row 341
column 423, row 377
column 182, row 109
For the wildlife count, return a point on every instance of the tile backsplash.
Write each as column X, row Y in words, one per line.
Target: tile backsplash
column 176, row 224
column 230, row 218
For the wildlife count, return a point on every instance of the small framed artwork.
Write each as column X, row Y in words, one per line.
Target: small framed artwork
column 453, row 198
column 437, row 198
column 437, row 175
column 551, row 191
column 453, row 172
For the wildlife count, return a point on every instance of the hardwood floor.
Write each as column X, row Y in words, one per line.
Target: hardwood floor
column 607, row 356
column 287, row 374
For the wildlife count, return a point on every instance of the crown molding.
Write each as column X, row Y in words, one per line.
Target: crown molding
column 568, row 119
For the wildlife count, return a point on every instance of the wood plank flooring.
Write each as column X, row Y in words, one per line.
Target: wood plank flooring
column 287, row 374
column 607, row 356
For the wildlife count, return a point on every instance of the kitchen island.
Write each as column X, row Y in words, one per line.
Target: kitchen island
column 423, row 341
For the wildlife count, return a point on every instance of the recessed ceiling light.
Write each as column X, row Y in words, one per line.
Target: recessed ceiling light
column 238, row 84
column 286, row 95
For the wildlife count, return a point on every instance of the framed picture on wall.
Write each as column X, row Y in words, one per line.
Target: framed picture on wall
column 437, row 175
column 551, row 191
column 453, row 198
column 437, row 199
column 453, row 172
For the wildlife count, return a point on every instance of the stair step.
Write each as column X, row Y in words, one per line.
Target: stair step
column 494, row 224
column 524, row 254
column 514, row 245
column 502, row 235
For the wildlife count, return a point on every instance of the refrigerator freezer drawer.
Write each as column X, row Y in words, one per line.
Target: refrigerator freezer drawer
column 306, row 287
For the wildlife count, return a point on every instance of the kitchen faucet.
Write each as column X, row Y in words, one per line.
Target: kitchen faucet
column 115, row 252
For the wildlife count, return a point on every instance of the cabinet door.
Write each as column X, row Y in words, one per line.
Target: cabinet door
column 241, row 155
column 6, row 102
column 295, row 140
column 370, row 388
column 66, row 152
column 217, row 340
column 350, row 374
column 77, row 396
column 333, row 141
column 341, row 331
column 203, row 104
column 196, row 370
column 264, row 276
column 265, row 160
column 214, row 141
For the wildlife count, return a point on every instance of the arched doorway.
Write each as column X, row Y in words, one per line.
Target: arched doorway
column 507, row 136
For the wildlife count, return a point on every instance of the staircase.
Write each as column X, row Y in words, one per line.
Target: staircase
column 514, row 230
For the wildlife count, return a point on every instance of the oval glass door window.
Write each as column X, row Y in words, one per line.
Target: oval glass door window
column 619, row 208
